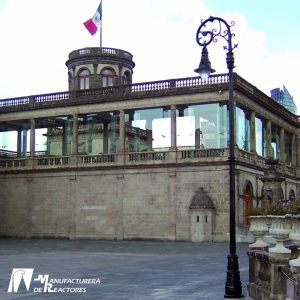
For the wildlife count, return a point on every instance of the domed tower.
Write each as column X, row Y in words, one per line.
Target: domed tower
column 92, row 68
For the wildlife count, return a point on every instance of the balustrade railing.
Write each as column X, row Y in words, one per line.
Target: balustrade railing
column 202, row 153
column 105, row 94
column 246, row 155
column 96, row 159
column 52, row 97
column 9, row 163
column 183, row 156
column 290, row 170
column 261, row 160
column 53, row 161
column 144, row 156
column 15, row 101
column 100, row 51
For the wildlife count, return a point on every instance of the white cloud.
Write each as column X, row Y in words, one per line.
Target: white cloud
column 37, row 36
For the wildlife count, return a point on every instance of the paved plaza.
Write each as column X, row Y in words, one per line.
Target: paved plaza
column 127, row 269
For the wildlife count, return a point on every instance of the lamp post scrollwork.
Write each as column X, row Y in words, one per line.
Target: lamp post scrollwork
column 210, row 31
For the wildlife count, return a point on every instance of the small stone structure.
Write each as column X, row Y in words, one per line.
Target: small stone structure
column 201, row 217
column 272, row 184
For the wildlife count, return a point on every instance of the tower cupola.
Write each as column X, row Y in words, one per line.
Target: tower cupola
column 92, row 68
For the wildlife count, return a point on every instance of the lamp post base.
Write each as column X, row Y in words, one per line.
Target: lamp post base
column 233, row 286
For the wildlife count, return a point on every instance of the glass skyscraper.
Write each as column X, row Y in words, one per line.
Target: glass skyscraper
column 284, row 98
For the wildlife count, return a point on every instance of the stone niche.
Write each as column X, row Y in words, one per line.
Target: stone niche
column 201, row 213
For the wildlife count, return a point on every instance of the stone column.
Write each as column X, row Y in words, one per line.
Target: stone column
column 90, row 127
column 282, row 147
column 121, row 152
column 19, row 143
column 32, row 137
column 24, row 146
column 75, row 135
column 269, row 138
column 298, row 150
column 173, row 149
column 294, row 154
column 105, row 138
column 122, row 132
column 173, row 128
column 252, row 132
column 74, row 150
column 66, row 143
column 198, row 138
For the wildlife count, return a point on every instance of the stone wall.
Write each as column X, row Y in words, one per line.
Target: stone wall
column 137, row 203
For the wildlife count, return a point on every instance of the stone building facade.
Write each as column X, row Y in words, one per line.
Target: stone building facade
column 109, row 159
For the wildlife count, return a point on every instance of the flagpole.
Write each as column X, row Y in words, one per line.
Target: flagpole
column 101, row 26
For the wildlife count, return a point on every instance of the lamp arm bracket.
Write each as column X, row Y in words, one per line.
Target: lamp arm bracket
column 212, row 28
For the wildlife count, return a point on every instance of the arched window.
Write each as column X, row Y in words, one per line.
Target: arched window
column 84, row 80
column 127, row 78
column 107, row 77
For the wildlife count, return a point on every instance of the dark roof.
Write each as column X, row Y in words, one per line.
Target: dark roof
column 201, row 200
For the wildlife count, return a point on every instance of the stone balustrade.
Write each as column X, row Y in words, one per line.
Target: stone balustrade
column 274, row 270
column 9, row 161
column 122, row 92
column 116, row 159
column 52, row 161
column 140, row 91
column 146, row 156
column 97, row 159
column 95, row 51
column 12, row 163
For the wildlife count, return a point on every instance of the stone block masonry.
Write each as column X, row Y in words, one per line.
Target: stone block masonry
column 137, row 203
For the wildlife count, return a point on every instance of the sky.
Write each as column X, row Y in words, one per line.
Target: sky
column 38, row 35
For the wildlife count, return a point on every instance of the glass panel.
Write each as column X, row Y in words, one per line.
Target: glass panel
column 98, row 133
column 40, row 141
column 15, row 139
column 242, row 129
column 104, row 82
column 261, row 139
column 148, row 130
column 288, row 147
column 84, row 73
column 84, row 83
column 107, row 81
column 202, row 126
column 8, row 141
column 107, row 72
column 275, row 142
column 110, row 81
column 53, row 136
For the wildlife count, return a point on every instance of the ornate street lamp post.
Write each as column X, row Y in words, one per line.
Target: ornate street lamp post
column 205, row 35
